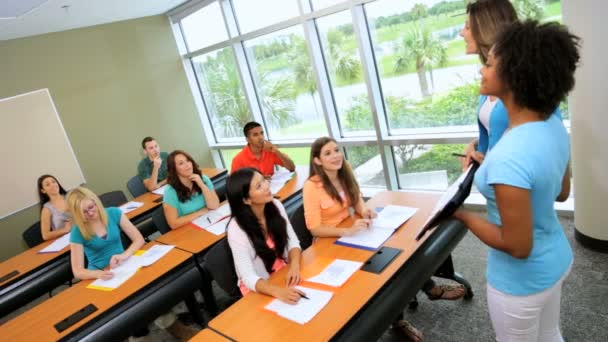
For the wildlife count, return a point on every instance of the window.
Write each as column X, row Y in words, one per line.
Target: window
column 367, row 166
column 253, row 15
column 319, row 4
column 427, row 167
column 204, row 27
column 426, row 77
column 346, row 74
column 285, row 85
column 226, row 104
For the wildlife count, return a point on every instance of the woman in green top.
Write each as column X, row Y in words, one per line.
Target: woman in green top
column 188, row 191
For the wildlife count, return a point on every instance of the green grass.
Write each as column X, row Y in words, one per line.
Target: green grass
column 553, row 9
column 434, row 23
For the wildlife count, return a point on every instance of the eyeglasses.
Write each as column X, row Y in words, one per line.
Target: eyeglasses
column 91, row 208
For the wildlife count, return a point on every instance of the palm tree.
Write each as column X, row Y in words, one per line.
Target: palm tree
column 529, row 9
column 422, row 48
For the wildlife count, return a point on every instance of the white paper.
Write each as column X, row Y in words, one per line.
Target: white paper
column 219, row 227
column 336, row 273
column 161, row 190
column 153, row 254
column 130, row 206
column 448, row 195
column 121, row 273
column 213, row 216
column 382, row 227
column 57, row 245
column 305, row 309
column 279, row 178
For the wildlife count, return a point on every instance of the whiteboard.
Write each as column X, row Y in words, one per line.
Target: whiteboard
column 33, row 142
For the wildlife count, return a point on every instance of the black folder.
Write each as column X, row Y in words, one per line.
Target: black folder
column 465, row 182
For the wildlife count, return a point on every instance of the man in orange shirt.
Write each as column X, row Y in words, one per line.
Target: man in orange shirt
column 260, row 153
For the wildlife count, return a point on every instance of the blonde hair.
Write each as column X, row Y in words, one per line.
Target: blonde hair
column 75, row 199
column 487, row 18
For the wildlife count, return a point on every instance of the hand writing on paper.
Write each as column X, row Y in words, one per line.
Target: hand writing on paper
column 117, row 259
column 369, row 213
column 293, row 275
column 104, row 275
column 289, row 295
column 471, row 154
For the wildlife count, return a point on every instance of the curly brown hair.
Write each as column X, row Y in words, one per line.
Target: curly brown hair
column 536, row 62
column 183, row 193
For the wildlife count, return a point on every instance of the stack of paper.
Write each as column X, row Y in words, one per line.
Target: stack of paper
column 213, row 216
column 130, row 206
column 128, row 268
column 336, row 273
column 389, row 219
column 57, row 245
column 305, row 309
column 161, row 190
column 279, row 178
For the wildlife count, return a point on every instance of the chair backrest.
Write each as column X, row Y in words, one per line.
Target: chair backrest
column 218, row 263
column 33, row 235
column 136, row 186
column 113, row 198
column 298, row 223
column 220, row 189
column 158, row 217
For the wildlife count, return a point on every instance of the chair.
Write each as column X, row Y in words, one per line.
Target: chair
column 136, row 186
column 158, row 217
column 220, row 189
column 113, row 198
column 33, row 235
column 219, row 264
column 298, row 223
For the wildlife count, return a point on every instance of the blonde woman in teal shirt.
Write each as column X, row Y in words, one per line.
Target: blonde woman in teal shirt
column 188, row 192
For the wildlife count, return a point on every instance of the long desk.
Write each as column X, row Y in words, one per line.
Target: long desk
column 40, row 273
column 208, row 335
column 152, row 290
column 363, row 308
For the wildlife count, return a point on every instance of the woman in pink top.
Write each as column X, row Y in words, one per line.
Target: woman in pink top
column 261, row 237
column 330, row 191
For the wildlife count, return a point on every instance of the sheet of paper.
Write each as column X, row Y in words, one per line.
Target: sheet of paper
column 448, row 195
column 153, row 254
column 279, row 178
column 57, row 245
column 337, row 273
column 161, row 190
column 130, row 206
column 305, row 309
column 213, row 216
column 121, row 272
column 370, row 239
column 393, row 216
column 219, row 227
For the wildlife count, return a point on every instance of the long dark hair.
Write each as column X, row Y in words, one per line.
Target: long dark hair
column 183, row 193
column 237, row 190
column 44, row 197
column 345, row 174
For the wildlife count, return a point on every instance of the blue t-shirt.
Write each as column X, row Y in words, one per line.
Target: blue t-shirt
column 194, row 203
column 532, row 156
column 99, row 250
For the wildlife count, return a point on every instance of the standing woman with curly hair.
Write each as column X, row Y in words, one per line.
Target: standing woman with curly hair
column 188, row 192
column 530, row 69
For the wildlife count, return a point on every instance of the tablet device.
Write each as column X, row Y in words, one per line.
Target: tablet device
column 451, row 200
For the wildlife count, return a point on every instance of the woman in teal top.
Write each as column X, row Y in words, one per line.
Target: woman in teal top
column 521, row 178
column 96, row 234
column 188, row 192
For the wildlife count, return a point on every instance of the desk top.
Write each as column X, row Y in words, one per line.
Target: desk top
column 212, row 172
column 28, row 261
column 346, row 301
column 295, row 184
column 148, row 200
column 37, row 324
column 208, row 335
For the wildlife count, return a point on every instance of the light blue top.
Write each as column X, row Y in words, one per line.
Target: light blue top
column 499, row 122
column 194, row 203
column 99, row 250
column 532, row 156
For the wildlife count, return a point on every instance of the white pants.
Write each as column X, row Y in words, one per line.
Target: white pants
column 526, row 318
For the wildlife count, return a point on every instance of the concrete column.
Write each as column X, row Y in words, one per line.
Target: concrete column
column 588, row 105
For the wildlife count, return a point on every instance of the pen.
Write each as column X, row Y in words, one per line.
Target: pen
column 208, row 220
column 459, row 155
column 304, row 296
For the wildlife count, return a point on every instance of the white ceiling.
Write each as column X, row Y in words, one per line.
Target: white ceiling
column 51, row 16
